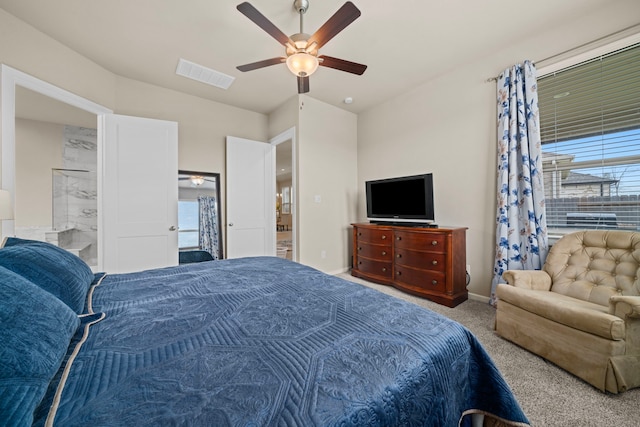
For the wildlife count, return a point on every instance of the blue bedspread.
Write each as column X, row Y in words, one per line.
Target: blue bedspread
column 265, row 341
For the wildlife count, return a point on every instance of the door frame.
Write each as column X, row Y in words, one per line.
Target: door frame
column 216, row 176
column 10, row 78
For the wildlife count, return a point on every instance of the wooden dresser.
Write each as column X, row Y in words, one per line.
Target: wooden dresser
column 429, row 262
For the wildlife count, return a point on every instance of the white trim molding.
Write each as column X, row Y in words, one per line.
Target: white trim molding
column 10, row 78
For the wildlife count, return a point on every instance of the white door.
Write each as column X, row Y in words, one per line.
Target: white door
column 250, row 195
column 139, row 193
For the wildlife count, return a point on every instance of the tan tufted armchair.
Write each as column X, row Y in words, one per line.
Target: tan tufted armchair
column 582, row 310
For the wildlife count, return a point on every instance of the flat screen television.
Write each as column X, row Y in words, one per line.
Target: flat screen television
column 407, row 199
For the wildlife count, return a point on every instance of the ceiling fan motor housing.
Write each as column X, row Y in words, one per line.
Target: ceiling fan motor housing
column 300, row 43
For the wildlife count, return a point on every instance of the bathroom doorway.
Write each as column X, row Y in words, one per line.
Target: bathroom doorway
column 56, row 174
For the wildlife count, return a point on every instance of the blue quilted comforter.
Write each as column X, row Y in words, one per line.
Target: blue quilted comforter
column 265, row 341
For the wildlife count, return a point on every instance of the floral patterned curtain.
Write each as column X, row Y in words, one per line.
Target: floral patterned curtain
column 208, row 240
column 521, row 225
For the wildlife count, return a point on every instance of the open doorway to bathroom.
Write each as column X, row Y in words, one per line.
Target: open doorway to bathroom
column 56, row 174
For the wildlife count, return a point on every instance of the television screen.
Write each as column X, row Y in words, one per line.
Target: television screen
column 400, row 199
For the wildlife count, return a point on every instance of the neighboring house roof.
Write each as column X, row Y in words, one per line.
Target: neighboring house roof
column 575, row 178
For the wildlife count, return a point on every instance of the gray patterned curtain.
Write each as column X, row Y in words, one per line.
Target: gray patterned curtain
column 208, row 240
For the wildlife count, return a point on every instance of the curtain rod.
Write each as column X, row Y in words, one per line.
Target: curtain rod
column 624, row 30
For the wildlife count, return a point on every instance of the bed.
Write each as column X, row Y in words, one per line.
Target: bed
column 242, row 342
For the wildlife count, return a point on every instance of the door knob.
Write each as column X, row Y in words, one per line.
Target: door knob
column 230, row 224
column 172, row 228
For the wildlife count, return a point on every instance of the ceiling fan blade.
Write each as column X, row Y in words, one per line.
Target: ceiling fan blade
column 338, row 22
column 261, row 21
column 303, row 84
column 342, row 65
column 261, row 64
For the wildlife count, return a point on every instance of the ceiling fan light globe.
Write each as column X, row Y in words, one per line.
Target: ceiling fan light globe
column 197, row 180
column 302, row 64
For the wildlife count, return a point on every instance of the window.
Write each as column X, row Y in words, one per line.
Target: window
column 188, row 224
column 286, row 200
column 590, row 129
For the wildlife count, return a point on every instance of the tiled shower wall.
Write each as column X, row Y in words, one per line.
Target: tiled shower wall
column 74, row 194
column 75, row 202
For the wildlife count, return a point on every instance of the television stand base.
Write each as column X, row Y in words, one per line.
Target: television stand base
column 405, row 224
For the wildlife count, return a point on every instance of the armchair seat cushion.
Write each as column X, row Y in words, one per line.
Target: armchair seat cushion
column 575, row 313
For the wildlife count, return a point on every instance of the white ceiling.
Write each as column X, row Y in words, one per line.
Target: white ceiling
column 404, row 43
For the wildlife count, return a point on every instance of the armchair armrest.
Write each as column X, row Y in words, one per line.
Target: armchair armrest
column 536, row 280
column 625, row 306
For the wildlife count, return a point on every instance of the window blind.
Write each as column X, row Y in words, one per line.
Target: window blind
column 590, row 130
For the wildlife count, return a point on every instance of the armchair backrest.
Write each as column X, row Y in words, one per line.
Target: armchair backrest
column 593, row 265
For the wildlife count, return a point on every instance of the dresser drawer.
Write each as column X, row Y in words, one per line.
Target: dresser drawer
column 375, row 236
column 378, row 268
column 376, row 252
column 434, row 242
column 433, row 261
column 420, row 279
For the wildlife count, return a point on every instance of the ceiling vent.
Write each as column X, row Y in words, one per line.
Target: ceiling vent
column 202, row 74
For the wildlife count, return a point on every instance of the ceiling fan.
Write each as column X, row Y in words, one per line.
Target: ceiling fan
column 301, row 48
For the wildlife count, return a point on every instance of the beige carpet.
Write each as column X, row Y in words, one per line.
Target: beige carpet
column 548, row 395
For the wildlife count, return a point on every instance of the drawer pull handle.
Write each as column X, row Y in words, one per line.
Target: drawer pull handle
column 399, row 256
column 434, row 242
column 434, row 282
column 360, row 248
column 384, row 237
column 398, row 238
column 398, row 273
column 384, row 253
column 359, row 234
column 359, row 262
column 434, row 262
column 384, row 269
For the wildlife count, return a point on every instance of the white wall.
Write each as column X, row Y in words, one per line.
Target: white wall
column 327, row 168
column 447, row 126
column 33, row 204
column 203, row 125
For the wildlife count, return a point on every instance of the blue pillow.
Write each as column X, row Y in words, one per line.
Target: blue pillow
column 52, row 268
column 36, row 331
column 12, row 241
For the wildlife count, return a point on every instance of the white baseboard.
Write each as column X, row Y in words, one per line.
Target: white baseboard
column 480, row 298
column 336, row 272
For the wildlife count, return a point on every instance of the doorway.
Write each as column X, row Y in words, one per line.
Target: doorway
column 56, row 174
column 109, row 171
column 284, row 200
